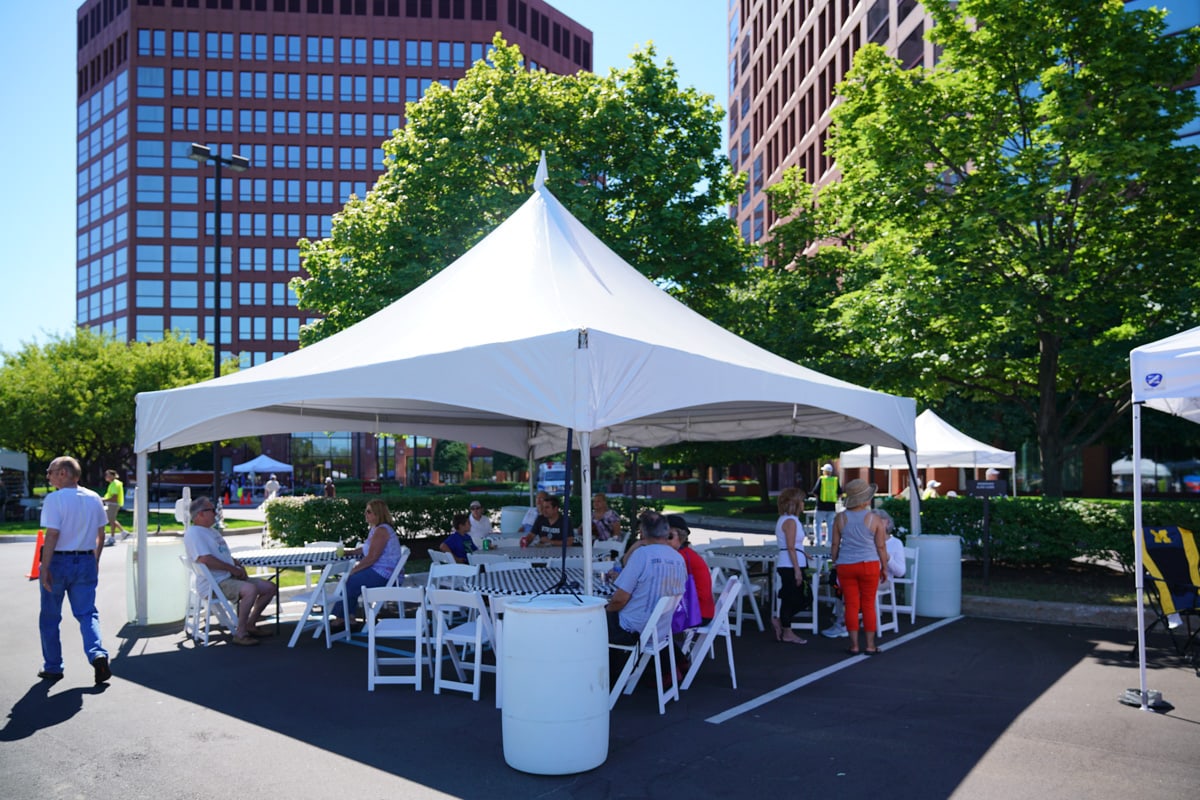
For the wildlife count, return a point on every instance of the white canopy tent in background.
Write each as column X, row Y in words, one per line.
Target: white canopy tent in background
column 1164, row 375
column 581, row 342
column 939, row 444
column 263, row 465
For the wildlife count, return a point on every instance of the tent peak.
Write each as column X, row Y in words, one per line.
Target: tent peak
column 539, row 180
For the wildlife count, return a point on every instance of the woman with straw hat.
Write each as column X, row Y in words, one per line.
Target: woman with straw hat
column 859, row 549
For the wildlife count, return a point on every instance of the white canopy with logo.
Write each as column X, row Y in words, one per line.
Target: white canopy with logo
column 1164, row 375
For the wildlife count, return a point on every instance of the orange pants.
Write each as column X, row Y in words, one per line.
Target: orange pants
column 859, row 584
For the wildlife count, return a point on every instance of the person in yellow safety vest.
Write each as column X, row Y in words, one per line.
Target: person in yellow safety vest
column 827, row 490
column 931, row 490
column 114, row 500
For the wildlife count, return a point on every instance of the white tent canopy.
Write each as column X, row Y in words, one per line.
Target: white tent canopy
column 939, row 444
column 263, row 465
column 1164, row 375
column 581, row 341
column 1147, row 467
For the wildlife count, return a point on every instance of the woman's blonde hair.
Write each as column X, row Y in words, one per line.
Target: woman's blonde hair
column 791, row 501
column 383, row 516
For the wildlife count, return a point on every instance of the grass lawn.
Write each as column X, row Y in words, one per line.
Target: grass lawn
column 125, row 518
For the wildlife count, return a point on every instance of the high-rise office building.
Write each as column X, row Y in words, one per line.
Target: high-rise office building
column 785, row 60
column 305, row 89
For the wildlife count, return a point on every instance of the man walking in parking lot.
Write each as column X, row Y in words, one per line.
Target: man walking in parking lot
column 74, row 519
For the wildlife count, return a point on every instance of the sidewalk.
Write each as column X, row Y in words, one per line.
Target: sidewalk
column 962, row 708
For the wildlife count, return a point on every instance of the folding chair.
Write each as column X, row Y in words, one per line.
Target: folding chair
column 484, row 558
column 394, row 578
column 474, row 635
column 701, row 642
column 309, row 572
column 749, row 591
column 653, row 639
column 207, row 605
column 440, row 557
column 909, row 582
column 401, row 627
column 506, row 566
column 885, row 600
column 1171, row 559
column 328, row 594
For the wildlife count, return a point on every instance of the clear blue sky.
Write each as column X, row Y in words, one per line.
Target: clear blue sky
column 37, row 139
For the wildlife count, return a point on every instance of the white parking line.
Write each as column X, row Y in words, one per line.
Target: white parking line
column 787, row 688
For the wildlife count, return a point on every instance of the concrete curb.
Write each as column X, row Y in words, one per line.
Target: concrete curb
column 1007, row 608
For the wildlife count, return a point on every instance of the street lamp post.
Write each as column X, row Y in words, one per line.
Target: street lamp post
column 236, row 163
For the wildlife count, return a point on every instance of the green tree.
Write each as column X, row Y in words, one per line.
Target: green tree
column 450, row 457
column 75, row 394
column 632, row 154
column 1018, row 216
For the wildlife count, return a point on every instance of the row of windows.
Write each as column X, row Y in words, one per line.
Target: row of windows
column 102, row 137
column 185, row 190
column 316, row 49
column 155, row 224
column 152, row 119
column 152, row 293
column 151, row 84
column 102, row 203
column 107, row 234
column 113, row 164
column 152, row 327
column 103, row 102
column 151, row 154
column 101, row 270
column 111, row 300
column 183, row 258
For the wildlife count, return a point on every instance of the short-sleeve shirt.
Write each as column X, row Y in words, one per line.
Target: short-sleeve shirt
column 897, row 565
column 200, row 541
column 76, row 513
column 460, row 544
column 115, row 492
column 653, row 571
column 605, row 526
column 553, row 530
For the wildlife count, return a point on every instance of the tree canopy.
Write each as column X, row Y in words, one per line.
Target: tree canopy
column 76, row 394
column 634, row 156
column 1018, row 216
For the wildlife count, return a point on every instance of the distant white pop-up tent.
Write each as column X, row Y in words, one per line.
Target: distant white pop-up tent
column 939, row 444
column 1164, row 375
column 263, row 465
column 586, row 345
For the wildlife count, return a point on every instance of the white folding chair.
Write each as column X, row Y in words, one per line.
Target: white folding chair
column 448, row 576
column 749, row 590
column 485, row 558
column 401, row 627
column 649, row 646
column 206, row 606
column 440, row 557
column 474, row 635
column 885, row 601
column 909, row 582
column 309, row 572
column 701, row 642
column 727, row 541
column 394, row 578
column 327, row 595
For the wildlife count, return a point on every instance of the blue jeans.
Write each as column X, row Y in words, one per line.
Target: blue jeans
column 73, row 576
column 354, row 586
column 827, row 536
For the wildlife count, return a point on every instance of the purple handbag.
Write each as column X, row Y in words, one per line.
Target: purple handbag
column 687, row 613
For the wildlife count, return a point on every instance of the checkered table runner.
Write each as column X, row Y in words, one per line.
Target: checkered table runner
column 530, row 581
column 282, row 557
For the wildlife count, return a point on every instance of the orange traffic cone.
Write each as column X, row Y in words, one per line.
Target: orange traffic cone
column 35, row 571
column 245, row 497
column 226, row 498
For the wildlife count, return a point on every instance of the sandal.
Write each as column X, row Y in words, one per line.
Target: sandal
column 853, row 652
column 874, row 652
column 778, row 629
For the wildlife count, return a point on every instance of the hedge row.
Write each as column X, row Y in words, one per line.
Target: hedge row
column 1028, row 531
column 292, row 521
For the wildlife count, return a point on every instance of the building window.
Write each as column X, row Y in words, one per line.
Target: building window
column 253, row 84
column 220, row 119
column 287, row 86
column 253, row 46
column 252, row 121
column 149, row 294
column 184, row 258
column 386, row 52
column 187, row 326
column 150, row 82
column 353, row 51
column 185, row 44
column 320, row 88
column 353, row 88
column 320, row 49
column 185, row 82
column 287, row 48
column 185, row 189
column 149, row 258
column 185, row 119
column 418, row 53
column 149, row 224
column 218, row 45
column 151, row 42
column 149, row 328
column 218, row 83
column 150, row 119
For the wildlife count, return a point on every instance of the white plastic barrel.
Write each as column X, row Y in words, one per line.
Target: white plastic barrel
column 167, row 581
column 554, row 678
column 939, row 575
column 510, row 519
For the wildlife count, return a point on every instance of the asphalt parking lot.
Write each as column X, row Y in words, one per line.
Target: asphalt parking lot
column 967, row 708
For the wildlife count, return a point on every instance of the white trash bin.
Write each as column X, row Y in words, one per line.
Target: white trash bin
column 554, row 677
column 510, row 519
column 939, row 576
column 167, row 581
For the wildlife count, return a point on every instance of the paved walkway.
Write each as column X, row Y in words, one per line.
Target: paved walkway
column 963, row 708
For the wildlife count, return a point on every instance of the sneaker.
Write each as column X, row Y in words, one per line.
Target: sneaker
column 46, row 675
column 837, row 631
column 245, row 641
column 103, row 673
column 124, row 535
column 110, row 541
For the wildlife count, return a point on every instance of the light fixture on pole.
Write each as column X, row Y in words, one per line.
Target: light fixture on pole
column 235, row 163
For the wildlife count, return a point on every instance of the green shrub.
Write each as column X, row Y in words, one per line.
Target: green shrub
column 293, row 521
column 1029, row 531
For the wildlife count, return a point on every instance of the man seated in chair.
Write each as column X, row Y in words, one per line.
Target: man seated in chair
column 206, row 545
column 654, row 571
column 551, row 525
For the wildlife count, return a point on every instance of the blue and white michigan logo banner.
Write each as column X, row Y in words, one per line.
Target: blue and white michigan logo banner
column 1153, row 379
